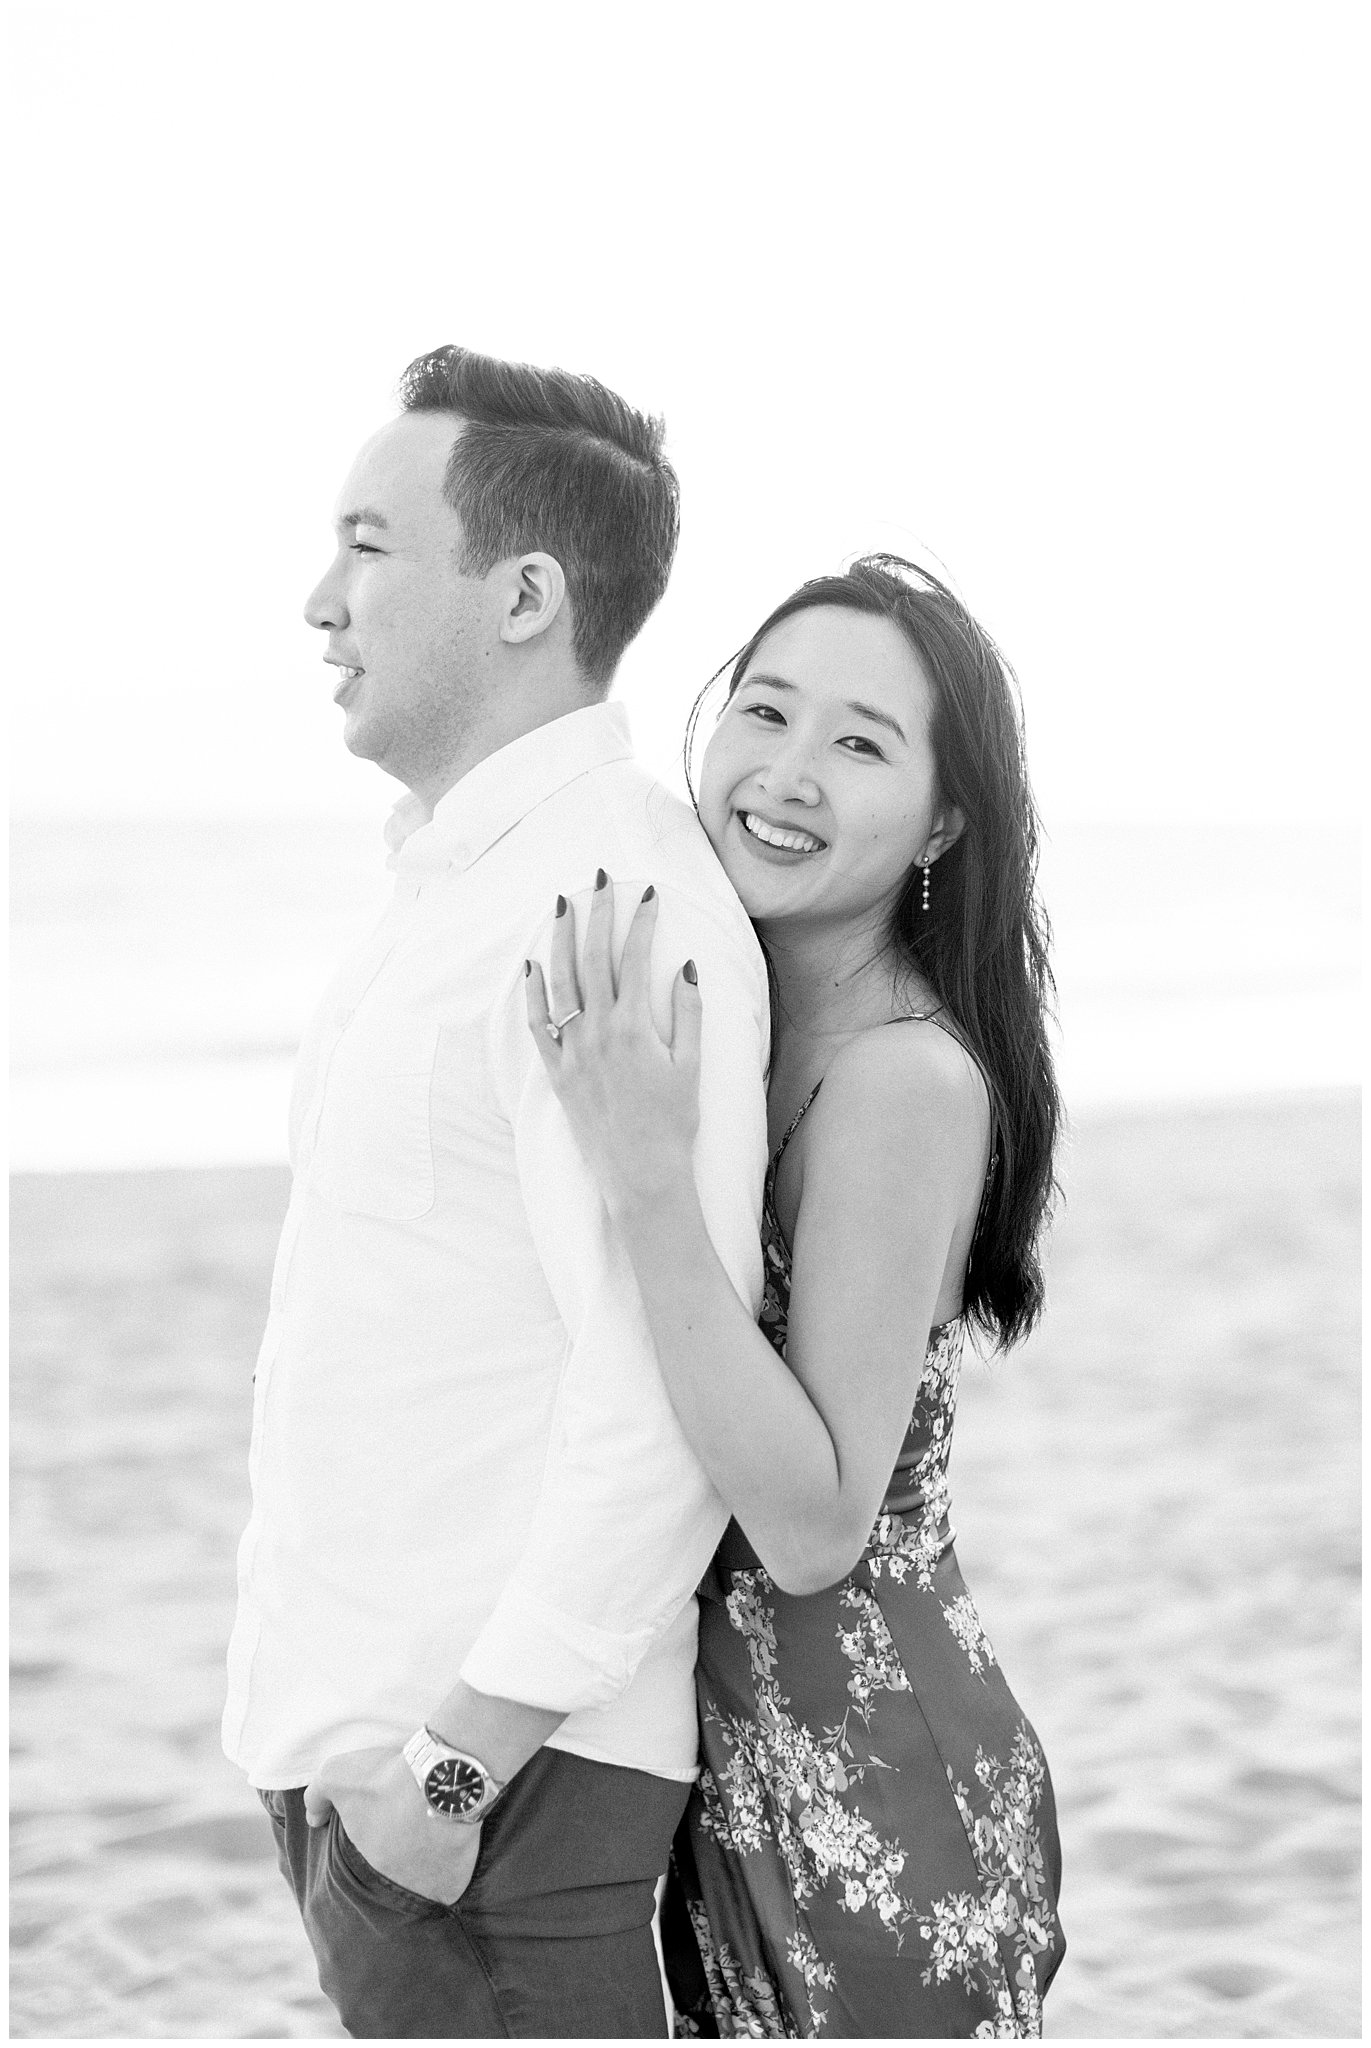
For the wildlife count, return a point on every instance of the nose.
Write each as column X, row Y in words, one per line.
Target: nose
column 788, row 776
column 325, row 606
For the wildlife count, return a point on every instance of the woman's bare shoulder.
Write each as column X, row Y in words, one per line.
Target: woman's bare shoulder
column 905, row 1081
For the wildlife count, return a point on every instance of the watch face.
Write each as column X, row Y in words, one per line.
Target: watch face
column 454, row 1786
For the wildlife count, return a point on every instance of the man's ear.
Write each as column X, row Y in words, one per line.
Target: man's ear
column 948, row 827
column 535, row 594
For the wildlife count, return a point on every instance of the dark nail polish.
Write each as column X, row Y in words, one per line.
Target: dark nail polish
column 690, row 973
column 561, row 907
column 600, row 878
column 528, row 967
column 649, row 893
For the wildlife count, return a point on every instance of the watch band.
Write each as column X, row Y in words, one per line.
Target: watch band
column 456, row 1785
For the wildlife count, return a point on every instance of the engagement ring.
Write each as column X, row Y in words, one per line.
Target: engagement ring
column 555, row 1031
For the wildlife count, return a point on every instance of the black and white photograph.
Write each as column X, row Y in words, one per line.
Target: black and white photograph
column 687, row 738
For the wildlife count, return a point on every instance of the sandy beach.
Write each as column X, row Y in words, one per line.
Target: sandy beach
column 1157, row 1509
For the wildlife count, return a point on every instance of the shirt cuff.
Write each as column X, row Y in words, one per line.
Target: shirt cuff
column 543, row 1657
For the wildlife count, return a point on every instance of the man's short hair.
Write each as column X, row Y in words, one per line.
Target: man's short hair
column 556, row 463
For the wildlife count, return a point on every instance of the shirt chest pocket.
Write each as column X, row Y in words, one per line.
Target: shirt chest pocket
column 374, row 1151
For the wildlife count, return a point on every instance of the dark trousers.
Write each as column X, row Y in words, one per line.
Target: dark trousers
column 553, row 1937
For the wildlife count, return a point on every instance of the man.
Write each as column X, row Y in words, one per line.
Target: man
column 461, row 1674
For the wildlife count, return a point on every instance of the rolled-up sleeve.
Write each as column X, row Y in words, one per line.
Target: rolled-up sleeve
column 625, row 1520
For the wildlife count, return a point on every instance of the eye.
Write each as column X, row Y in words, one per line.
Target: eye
column 767, row 713
column 861, row 745
column 361, row 547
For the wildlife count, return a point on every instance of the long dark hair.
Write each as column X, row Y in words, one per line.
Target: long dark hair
column 982, row 944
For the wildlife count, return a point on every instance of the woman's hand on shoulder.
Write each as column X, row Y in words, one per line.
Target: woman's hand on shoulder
column 631, row 1096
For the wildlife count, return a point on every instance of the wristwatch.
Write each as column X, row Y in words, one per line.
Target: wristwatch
column 457, row 1786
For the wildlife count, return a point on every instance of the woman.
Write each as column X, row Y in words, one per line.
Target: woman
column 872, row 1848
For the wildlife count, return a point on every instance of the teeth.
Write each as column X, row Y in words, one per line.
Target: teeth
column 794, row 842
column 350, row 675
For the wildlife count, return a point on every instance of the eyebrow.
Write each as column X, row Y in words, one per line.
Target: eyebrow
column 853, row 704
column 366, row 515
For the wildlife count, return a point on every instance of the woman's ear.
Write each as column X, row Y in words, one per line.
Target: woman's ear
column 536, row 594
column 948, row 827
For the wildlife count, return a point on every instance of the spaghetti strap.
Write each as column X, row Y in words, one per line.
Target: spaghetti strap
column 795, row 1123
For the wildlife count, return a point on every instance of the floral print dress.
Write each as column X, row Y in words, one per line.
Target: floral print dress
column 871, row 1850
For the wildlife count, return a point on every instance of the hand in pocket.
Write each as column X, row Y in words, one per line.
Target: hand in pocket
column 389, row 1822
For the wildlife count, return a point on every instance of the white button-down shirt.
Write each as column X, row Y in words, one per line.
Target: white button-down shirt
column 464, row 1461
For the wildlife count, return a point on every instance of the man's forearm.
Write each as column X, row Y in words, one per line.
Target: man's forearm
column 503, row 1734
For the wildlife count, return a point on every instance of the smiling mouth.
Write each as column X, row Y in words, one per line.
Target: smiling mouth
column 349, row 675
column 774, row 835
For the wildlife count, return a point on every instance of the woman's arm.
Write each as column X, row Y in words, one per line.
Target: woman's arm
column 801, row 1452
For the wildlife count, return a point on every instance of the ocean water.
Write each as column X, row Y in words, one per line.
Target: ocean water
column 163, row 970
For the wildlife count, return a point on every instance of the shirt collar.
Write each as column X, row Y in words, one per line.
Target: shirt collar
column 498, row 792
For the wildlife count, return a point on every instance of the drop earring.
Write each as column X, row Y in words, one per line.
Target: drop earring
column 926, row 865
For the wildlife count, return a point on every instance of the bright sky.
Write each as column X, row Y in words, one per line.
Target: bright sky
column 1064, row 296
